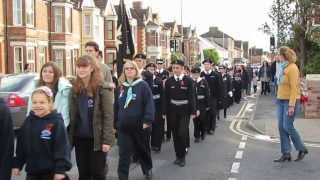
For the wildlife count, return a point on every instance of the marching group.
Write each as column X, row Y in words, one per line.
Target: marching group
column 144, row 107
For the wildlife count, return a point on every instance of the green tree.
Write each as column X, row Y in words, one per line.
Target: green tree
column 292, row 18
column 176, row 55
column 212, row 54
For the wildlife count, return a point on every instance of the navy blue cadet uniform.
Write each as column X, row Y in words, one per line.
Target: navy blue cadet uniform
column 215, row 83
column 202, row 104
column 155, row 84
column 180, row 104
column 132, row 138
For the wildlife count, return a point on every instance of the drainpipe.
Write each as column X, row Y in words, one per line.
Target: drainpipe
column 6, row 38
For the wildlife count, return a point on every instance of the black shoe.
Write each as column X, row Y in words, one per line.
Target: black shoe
column 155, row 149
column 301, row 155
column 187, row 150
column 210, row 132
column 168, row 139
column 284, row 158
column 177, row 161
column 197, row 140
column 203, row 137
column 182, row 162
column 148, row 175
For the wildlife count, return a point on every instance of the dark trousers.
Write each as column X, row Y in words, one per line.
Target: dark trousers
column 169, row 130
column 265, row 88
column 237, row 95
column 91, row 164
column 255, row 88
column 40, row 176
column 199, row 124
column 212, row 119
column 157, row 131
column 225, row 112
column 137, row 142
column 180, row 127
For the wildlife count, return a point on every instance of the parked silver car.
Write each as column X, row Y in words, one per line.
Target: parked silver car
column 15, row 89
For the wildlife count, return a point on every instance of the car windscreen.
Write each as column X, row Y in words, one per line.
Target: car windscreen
column 14, row 83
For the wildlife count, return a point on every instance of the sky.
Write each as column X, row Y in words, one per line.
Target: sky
column 238, row 18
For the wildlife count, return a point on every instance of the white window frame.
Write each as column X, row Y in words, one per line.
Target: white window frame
column 59, row 61
column 110, row 30
column 30, row 11
column 15, row 59
column 97, row 25
column 42, row 55
column 17, row 12
column 56, row 17
column 31, row 60
column 68, row 22
column 87, row 25
column 317, row 7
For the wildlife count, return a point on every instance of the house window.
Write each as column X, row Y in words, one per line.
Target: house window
column 110, row 27
column 110, row 57
column 58, row 58
column 17, row 12
column 30, row 12
column 68, row 20
column 18, row 60
column 316, row 15
column 31, row 58
column 42, row 56
column 58, row 19
column 87, row 25
column 96, row 26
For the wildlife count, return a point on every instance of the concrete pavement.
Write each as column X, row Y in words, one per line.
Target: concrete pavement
column 266, row 122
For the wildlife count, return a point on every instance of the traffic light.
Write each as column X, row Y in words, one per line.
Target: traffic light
column 272, row 41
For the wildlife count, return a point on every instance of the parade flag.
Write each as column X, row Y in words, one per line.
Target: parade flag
column 125, row 45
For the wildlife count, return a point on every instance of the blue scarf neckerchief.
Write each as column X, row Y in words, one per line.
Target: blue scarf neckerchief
column 280, row 71
column 129, row 93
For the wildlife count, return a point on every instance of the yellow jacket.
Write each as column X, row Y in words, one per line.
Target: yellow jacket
column 289, row 88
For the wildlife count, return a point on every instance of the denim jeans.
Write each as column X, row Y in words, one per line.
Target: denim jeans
column 287, row 130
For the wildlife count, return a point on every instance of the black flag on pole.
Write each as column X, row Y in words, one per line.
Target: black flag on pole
column 125, row 45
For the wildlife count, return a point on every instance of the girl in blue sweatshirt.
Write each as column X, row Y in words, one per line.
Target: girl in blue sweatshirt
column 134, row 113
column 42, row 143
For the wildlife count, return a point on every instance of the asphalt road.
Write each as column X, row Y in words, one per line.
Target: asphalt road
column 224, row 156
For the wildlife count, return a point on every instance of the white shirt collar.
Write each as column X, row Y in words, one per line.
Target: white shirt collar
column 199, row 79
column 180, row 77
column 208, row 72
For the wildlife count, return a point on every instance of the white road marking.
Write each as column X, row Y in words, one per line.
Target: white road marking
column 232, row 178
column 242, row 145
column 244, row 138
column 235, row 167
column 239, row 155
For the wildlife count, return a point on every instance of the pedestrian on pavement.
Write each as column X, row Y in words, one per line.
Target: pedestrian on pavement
column 42, row 142
column 250, row 77
column 215, row 83
column 155, row 84
column 6, row 141
column 288, row 98
column 134, row 115
column 91, row 119
column 51, row 76
column 202, row 104
column 245, row 80
column 180, row 105
column 92, row 49
column 255, row 81
column 226, row 90
column 265, row 77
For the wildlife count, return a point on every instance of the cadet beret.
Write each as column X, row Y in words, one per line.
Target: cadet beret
column 159, row 61
column 178, row 62
column 151, row 65
column 195, row 70
column 140, row 56
column 207, row 61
